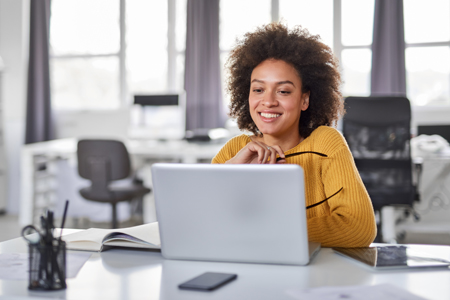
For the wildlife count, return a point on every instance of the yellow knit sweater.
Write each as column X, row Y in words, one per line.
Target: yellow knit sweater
column 346, row 219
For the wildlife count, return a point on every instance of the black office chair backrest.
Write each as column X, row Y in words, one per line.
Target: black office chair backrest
column 102, row 161
column 377, row 130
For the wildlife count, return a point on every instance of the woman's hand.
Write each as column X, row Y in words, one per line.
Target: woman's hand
column 258, row 153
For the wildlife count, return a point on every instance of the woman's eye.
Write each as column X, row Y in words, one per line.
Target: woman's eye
column 285, row 92
column 257, row 90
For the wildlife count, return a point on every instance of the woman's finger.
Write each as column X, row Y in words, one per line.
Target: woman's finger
column 263, row 154
column 273, row 155
column 250, row 154
column 256, row 148
column 266, row 154
column 279, row 151
column 271, row 151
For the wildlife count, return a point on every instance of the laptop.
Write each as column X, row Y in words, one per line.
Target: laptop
column 232, row 213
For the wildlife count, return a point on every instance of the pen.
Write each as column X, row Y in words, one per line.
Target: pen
column 64, row 218
column 50, row 226
column 61, row 276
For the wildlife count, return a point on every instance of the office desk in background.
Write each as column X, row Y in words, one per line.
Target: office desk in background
column 434, row 205
column 435, row 179
column 133, row 274
column 36, row 159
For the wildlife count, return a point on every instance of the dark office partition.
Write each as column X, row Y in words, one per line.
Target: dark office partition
column 388, row 75
column 204, row 108
column 442, row 130
column 39, row 124
column 156, row 100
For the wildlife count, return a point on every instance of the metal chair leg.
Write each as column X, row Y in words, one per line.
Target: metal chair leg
column 114, row 215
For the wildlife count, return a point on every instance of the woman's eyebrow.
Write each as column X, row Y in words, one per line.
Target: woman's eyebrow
column 285, row 82
column 278, row 83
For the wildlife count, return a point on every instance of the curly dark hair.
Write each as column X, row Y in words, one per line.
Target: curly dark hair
column 314, row 61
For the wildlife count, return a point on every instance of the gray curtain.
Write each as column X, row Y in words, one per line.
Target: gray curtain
column 388, row 49
column 39, row 125
column 202, row 66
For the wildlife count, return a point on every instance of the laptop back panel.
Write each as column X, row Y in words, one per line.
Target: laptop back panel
column 233, row 213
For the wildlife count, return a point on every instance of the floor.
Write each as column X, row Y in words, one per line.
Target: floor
column 9, row 227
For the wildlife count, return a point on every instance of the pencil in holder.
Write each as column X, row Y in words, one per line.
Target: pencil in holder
column 47, row 265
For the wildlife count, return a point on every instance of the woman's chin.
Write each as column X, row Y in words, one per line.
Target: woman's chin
column 271, row 132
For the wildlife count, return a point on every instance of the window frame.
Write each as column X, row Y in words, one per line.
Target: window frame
column 338, row 46
column 125, row 98
column 428, row 109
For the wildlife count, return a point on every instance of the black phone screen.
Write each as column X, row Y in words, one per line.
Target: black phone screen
column 208, row 281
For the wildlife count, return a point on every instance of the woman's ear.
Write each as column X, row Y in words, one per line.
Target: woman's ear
column 305, row 100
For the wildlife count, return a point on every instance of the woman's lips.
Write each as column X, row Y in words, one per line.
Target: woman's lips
column 269, row 117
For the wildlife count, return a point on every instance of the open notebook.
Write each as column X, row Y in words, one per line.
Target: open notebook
column 234, row 213
column 96, row 239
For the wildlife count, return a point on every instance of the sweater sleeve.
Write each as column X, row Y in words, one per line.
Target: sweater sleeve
column 351, row 219
column 230, row 149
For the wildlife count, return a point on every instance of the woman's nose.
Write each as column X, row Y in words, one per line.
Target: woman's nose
column 270, row 99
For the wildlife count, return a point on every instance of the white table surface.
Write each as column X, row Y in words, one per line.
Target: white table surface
column 143, row 150
column 133, row 274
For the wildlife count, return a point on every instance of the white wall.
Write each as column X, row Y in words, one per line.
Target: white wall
column 14, row 29
column 14, row 52
column 429, row 116
column 85, row 124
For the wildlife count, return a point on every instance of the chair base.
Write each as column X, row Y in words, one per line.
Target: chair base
column 114, row 196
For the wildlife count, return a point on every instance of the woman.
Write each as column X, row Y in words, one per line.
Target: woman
column 285, row 90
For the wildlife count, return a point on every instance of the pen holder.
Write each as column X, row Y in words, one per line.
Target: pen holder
column 47, row 266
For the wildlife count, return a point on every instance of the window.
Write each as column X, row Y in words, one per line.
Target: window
column 427, row 55
column 115, row 51
column 345, row 25
column 251, row 14
column 85, row 58
column 355, row 46
column 124, row 47
column 316, row 16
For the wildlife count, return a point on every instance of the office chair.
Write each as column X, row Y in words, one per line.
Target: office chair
column 102, row 162
column 377, row 130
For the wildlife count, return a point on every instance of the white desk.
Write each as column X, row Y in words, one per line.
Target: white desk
column 142, row 153
column 131, row 274
column 434, row 205
column 435, row 174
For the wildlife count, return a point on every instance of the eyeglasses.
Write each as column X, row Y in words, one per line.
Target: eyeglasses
column 317, row 153
column 298, row 153
column 320, row 202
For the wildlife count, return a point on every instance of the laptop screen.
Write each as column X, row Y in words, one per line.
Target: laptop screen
column 242, row 213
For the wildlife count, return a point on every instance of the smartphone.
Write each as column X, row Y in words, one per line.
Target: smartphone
column 207, row 281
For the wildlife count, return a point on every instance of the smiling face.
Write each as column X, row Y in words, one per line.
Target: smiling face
column 276, row 99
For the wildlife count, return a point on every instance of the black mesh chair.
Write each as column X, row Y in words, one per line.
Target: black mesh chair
column 377, row 130
column 102, row 162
